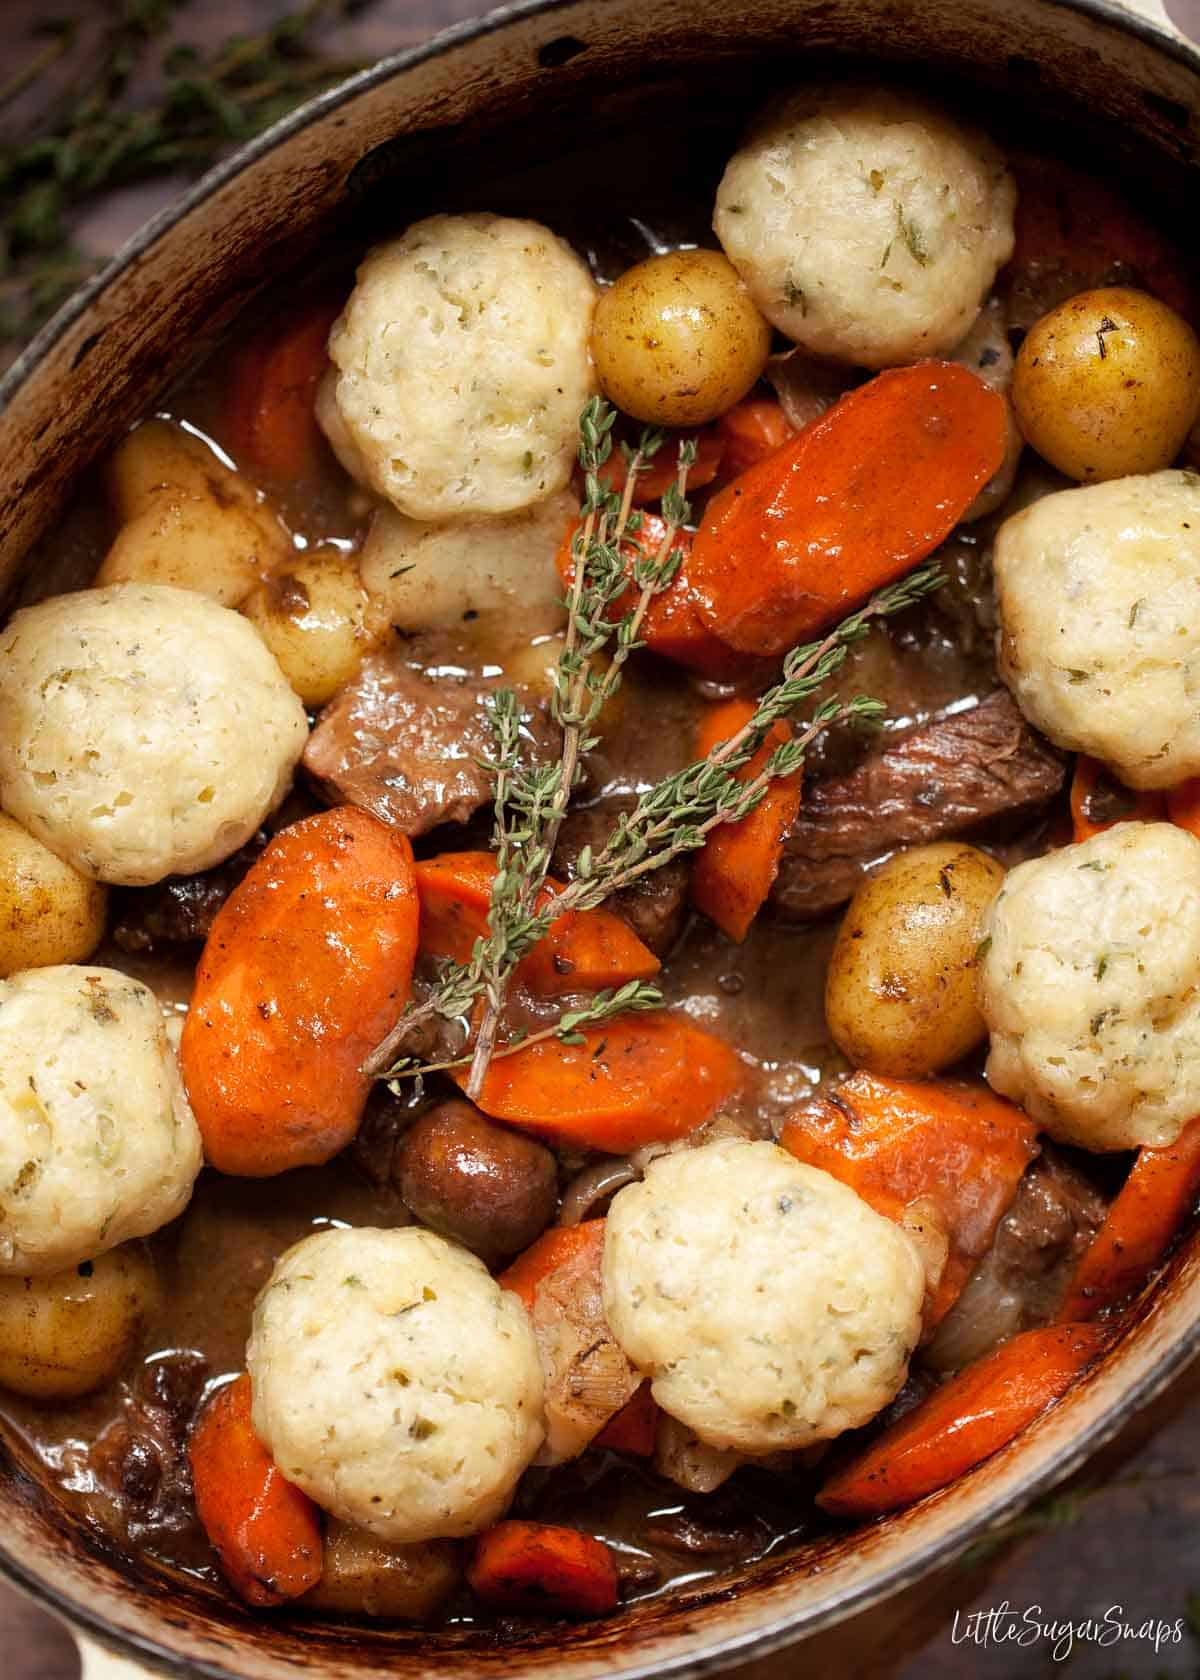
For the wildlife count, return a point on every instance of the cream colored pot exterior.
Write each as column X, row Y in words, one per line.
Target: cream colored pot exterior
column 104, row 359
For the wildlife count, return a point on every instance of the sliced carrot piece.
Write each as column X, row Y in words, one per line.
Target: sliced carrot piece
column 634, row 1428
column 551, row 1250
column 671, row 627
column 662, row 469
column 584, row 950
column 638, row 1079
column 270, row 424
column 307, row 966
column 751, row 431
column 265, row 1532
column 853, row 502
column 949, row 1144
column 963, row 1422
column 1145, row 1215
column 538, row 1567
column 735, row 868
column 1100, row 802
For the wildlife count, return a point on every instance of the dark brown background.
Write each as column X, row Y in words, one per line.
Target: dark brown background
column 1126, row 1533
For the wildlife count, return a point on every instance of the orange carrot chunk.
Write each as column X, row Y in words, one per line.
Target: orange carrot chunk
column 637, row 1079
column 1100, row 802
column 671, row 627
column 584, row 950
column 265, row 1532
column 953, row 1146
column 554, row 1248
column 307, row 966
column 963, row 1422
column 1145, row 1215
column 853, row 502
column 633, row 1429
column 734, row 869
column 538, row 1567
column 751, row 431
column 661, row 470
column 1183, row 806
column 270, row 423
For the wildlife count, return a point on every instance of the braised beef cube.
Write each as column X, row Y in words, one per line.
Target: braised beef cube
column 950, row 777
column 412, row 749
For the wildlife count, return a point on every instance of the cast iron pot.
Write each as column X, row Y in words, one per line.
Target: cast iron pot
column 434, row 126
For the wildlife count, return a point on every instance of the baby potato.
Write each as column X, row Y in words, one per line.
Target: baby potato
column 314, row 617
column 49, row 912
column 187, row 518
column 678, row 339
column 1108, row 384
column 69, row 1333
column 900, row 993
column 363, row 1575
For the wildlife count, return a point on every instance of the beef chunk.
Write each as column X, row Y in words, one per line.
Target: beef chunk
column 1055, row 1214
column 655, row 906
column 181, row 909
column 947, row 778
column 407, row 747
column 1021, row 1281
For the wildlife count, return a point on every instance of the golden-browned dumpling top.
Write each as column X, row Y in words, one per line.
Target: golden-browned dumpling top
column 867, row 224
column 144, row 730
column 1090, row 986
column 97, row 1142
column 462, row 366
column 395, row 1381
column 1099, row 640
column 769, row 1304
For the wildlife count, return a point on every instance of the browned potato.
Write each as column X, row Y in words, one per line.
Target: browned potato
column 490, row 1189
column 677, row 339
column 69, row 1333
column 314, row 616
column 1108, row 384
column 900, row 993
column 49, row 912
column 362, row 1575
column 187, row 518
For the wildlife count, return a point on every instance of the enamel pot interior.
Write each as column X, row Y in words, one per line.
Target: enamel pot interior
column 505, row 114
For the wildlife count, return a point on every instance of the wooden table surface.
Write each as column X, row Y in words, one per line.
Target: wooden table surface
column 1119, row 1545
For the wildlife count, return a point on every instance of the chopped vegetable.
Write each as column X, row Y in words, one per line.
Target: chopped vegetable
column 1151, row 1206
column 1099, row 801
column 671, row 627
column 639, row 1079
column 1183, row 806
column 266, row 1533
column 552, row 1250
column 634, row 1429
column 751, row 431
column 585, row 950
column 538, row 1567
column 308, row 964
column 738, row 863
column 270, row 421
column 949, row 1145
column 853, row 502
column 965, row 1421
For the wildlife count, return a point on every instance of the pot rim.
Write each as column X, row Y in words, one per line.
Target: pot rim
column 780, row 1632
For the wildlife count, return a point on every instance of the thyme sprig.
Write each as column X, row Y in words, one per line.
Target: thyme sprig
column 672, row 818
column 93, row 137
column 539, row 797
